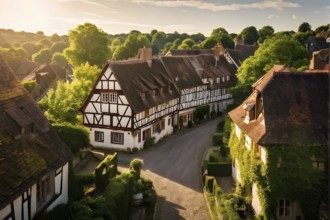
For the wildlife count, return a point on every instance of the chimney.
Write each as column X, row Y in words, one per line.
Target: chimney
column 217, row 52
column 145, row 53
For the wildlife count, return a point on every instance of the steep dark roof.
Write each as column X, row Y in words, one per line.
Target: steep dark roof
column 24, row 158
column 25, row 68
column 136, row 77
column 235, row 56
column 246, row 50
column 180, row 69
column 175, row 52
column 295, row 110
column 317, row 43
column 208, row 67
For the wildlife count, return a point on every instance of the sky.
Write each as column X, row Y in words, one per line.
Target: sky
column 184, row 16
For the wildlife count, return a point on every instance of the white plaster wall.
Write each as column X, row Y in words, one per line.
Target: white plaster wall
column 248, row 142
column 237, row 131
column 256, row 205
column 263, row 155
column 236, row 174
column 64, row 198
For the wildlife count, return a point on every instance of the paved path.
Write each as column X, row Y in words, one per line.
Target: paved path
column 174, row 166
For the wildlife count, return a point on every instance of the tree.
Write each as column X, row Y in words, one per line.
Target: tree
column 43, row 56
column 322, row 28
column 55, row 38
column 87, row 44
column 131, row 46
column 302, row 37
column 249, row 35
column 62, row 103
column 167, row 47
column 14, row 56
column 209, row 43
column 279, row 49
column 304, row 27
column 219, row 30
column 184, row 47
column 59, row 46
column 59, row 59
column 176, row 43
column 189, row 42
column 159, row 39
column 220, row 35
column 31, row 48
column 46, row 43
column 265, row 32
column 198, row 38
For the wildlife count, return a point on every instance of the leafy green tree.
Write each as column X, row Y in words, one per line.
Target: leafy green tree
column 265, row 32
column 46, row 43
column 219, row 30
column 14, row 56
column 304, row 27
column 189, row 42
column 117, row 42
column 62, row 103
column 209, row 42
column 322, row 28
column 87, row 44
column 302, row 37
column 59, row 59
column 198, row 38
column 55, row 38
column 176, row 43
column 184, row 46
column 249, row 35
column 171, row 37
column 159, row 39
column 131, row 46
column 279, row 49
column 43, row 56
column 31, row 48
column 59, row 46
column 167, row 47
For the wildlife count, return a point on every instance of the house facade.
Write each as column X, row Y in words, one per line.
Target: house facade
column 131, row 101
column 33, row 160
column 282, row 128
column 134, row 100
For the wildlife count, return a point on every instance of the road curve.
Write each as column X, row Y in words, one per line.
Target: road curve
column 174, row 166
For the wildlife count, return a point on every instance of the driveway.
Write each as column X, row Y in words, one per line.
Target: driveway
column 174, row 166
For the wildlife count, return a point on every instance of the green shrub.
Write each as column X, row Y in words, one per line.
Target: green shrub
column 220, row 126
column 224, row 151
column 85, row 179
column 59, row 212
column 201, row 112
column 217, row 140
column 149, row 142
column 229, row 211
column 213, row 114
column 105, row 170
column 29, row 85
column 136, row 165
column 76, row 137
column 190, row 124
column 175, row 129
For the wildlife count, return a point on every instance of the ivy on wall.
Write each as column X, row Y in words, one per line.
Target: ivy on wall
column 288, row 174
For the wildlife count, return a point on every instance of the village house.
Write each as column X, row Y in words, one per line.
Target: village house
column 135, row 100
column 33, row 159
column 286, row 114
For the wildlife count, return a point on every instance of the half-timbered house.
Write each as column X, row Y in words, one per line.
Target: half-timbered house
column 33, row 160
column 130, row 102
column 193, row 92
column 219, row 76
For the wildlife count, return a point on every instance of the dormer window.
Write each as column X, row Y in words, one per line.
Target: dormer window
column 218, row 79
column 143, row 95
column 223, row 79
column 28, row 129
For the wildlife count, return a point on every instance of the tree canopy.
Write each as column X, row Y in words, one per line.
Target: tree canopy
column 265, row 32
column 304, row 27
column 249, row 35
column 279, row 49
column 87, row 44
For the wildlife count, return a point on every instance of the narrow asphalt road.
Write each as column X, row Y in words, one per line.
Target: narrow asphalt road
column 174, row 166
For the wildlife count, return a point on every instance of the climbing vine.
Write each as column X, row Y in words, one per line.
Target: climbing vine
column 289, row 173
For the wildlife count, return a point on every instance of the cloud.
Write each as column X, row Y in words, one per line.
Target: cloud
column 267, row 4
column 272, row 16
column 294, row 17
column 90, row 2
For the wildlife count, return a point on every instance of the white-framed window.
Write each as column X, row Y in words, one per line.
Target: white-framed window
column 284, row 208
column 113, row 97
column 45, row 190
column 228, row 78
column 104, row 97
column 117, row 138
column 218, row 79
column 99, row 136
